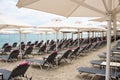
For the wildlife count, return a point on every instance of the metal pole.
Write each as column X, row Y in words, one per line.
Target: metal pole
column 81, row 35
column 102, row 35
column 88, row 37
column 20, row 41
column 56, row 37
column 66, row 37
column 108, row 48
column 41, row 37
column 78, row 37
column 25, row 37
column 9, row 38
column 37, row 37
column 63, row 36
column 93, row 34
column 114, row 29
column 72, row 36
column 46, row 41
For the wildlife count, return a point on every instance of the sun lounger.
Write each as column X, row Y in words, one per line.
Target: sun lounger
column 103, row 63
column 19, row 71
column 6, row 50
column 27, row 52
column 50, row 61
column 36, row 42
column 64, row 56
column 87, row 49
column 116, row 52
column 83, row 48
column 83, row 41
column 28, row 43
column 4, row 45
column 94, row 45
column 75, row 42
column 118, row 45
column 60, row 45
column 22, row 47
column 14, row 45
column 102, row 55
column 42, row 49
column 74, row 53
column 52, row 42
column 52, row 47
column 66, row 45
column 113, row 57
column 97, row 72
column 47, row 41
column 39, row 44
column 100, row 44
column 11, row 57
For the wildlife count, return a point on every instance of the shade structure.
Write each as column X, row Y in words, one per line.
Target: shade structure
column 8, row 32
column 90, row 27
column 15, row 28
column 68, row 30
column 53, row 6
column 57, row 26
column 81, row 8
column 30, row 31
column 60, row 7
column 47, row 31
column 114, row 21
column 84, row 8
column 11, row 24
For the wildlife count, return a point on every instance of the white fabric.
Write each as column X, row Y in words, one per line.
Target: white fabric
column 76, row 8
column 112, row 64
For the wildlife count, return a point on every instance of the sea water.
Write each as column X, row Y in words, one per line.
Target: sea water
column 11, row 38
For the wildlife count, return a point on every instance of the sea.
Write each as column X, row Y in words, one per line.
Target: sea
column 11, row 38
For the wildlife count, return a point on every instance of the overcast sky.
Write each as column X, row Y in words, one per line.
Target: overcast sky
column 8, row 8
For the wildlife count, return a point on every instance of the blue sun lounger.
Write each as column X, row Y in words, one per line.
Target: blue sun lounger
column 97, row 72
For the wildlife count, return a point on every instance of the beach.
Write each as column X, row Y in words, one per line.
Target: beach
column 70, row 26
column 65, row 71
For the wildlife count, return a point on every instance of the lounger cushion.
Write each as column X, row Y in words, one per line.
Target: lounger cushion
column 24, row 63
column 40, row 62
column 5, row 57
column 96, row 62
column 96, row 71
column 55, row 52
column 6, row 74
column 90, row 70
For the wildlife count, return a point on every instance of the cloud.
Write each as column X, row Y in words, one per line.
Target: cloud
column 11, row 21
column 33, row 17
column 8, row 7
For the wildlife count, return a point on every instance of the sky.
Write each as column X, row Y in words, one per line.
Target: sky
column 23, row 15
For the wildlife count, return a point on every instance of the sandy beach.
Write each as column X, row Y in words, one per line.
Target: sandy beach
column 53, row 25
column 66, row 71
